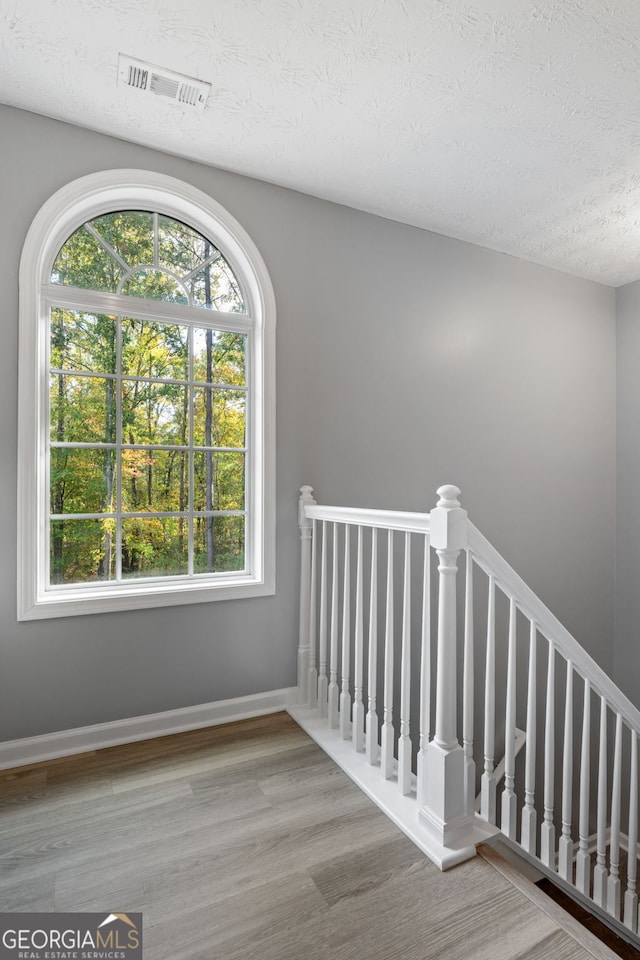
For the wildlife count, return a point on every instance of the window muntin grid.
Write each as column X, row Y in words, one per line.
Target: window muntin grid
column 107, row 376
column 148, row 255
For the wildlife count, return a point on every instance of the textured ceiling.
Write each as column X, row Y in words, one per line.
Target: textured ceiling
column 514, row 124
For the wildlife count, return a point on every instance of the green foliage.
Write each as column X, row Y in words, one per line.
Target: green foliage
column 129, row 233
column 83, row 262
column 155, row 285
column 89, row 392
column 82, row 341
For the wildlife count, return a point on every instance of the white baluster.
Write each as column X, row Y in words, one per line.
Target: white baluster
column 444, row 813
column 358, row 704
column 488, row 781
column 583, row 857
column 631, row 896
column 565, row 846
column 372, row 716
column 345, row 695
column 404, row 742
column 613, row 882
column 600, row 869
column 306, row 544
column 467, row 691
column 508, row 823
column 312, row 677
column 548, row 830
column 529, row 817
column 334, row 689
column 323, row 682
column 425, row 673
column 387, row 725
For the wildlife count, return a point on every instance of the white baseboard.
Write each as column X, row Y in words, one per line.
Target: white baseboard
column 50, row 746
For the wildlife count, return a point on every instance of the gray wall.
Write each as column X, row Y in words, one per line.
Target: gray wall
column 405, row 360
column 627, row 604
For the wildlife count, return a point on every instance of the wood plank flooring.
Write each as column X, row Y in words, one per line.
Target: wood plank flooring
column 245, row 842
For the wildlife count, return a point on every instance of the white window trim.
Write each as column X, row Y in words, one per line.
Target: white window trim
column 64, row 212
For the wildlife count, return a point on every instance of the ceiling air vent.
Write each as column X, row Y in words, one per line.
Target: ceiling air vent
column 162, row 83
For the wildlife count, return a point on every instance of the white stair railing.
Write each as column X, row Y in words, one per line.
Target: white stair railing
column 373, row 612
column 366, row 607
column 575, row 766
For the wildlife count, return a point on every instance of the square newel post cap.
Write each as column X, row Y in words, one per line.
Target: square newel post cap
column 448, row 521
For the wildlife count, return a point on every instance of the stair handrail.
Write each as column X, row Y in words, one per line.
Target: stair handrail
column 494, row 564
column 371, row 517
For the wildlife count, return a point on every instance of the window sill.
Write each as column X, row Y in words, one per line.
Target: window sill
column 137, row 596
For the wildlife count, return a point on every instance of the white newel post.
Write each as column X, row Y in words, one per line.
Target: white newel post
column 306, row 531
column 444, row 812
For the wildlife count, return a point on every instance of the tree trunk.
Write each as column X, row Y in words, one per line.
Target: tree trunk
column 57, row 532
column 208, row 423
column 105, row 563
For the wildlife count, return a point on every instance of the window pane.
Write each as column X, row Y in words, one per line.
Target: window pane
column 219, row 357
column 216, row 287
column 155, row 480
column 218, row 544
column 157, row 547
column 82, row 481
column 155, row 285
column 82, row 409
column 83, row 262
column 82, row 551
column 155, row 413
column 155, row 349
column 82, row 341
column 219, row 417
column 180, row 248
column 218, row 480
column 130, row 233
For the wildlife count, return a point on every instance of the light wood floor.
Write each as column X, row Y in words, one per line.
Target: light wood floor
column 245, row 842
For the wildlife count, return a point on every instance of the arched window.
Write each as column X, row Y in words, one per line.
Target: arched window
column 146, row 401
